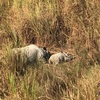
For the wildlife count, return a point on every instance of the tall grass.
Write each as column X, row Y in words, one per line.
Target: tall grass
column 68, row 25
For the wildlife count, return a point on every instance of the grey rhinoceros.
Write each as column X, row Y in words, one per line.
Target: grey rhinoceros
column 32, row 53
column 60, row 57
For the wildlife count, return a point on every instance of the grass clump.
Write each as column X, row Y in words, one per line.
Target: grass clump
column 67, row 25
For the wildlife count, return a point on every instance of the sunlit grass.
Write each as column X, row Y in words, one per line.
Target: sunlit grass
column 69, row 25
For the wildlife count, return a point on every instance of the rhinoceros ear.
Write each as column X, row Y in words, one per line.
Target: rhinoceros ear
column 61, row 51
column 44, row 48
column 65, row 53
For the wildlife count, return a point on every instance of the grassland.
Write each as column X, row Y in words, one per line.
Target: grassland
column 68, row 25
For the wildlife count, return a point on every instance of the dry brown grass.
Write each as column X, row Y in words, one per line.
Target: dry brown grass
column 69, row 25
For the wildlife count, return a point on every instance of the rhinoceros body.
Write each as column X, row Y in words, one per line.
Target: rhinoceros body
column 32, row 53
column 60, row 58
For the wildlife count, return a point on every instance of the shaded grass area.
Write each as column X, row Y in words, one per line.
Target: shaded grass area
column 60, row 25
column 48, row 82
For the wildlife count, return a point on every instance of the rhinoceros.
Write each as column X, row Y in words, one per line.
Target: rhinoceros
column 32, row 53
column 60, row 57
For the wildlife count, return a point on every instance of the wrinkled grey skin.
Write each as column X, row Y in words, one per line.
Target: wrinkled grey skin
column 32, row 53
column 60, row 58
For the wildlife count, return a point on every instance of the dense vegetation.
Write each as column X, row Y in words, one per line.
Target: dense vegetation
column 68, row 25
